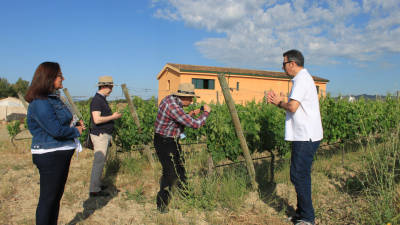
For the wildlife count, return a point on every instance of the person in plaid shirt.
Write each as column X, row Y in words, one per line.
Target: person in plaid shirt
column 169, row 126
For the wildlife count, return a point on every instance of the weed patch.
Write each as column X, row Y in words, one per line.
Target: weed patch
column 137, row 195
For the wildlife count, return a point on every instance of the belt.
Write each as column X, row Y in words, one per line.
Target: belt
column 166, row 137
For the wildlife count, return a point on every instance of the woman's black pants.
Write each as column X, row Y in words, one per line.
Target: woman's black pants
column 53, row 169
column 169, row 153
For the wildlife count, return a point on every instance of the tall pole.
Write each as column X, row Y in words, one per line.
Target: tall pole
column 137, row 122
column 131, row 106
column 238, row 128
column 265, row 97
column 72, row 104
column 21, row 98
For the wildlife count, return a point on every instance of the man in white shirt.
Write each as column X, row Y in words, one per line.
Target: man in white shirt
column 303, row 128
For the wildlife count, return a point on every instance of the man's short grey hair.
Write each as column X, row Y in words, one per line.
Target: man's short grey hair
column 295, row 56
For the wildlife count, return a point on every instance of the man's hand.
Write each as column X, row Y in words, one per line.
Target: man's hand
column 273, row 98
column 194, row 112
column 98, row 119
column 116, row 115
column 279, row 101
column 270, row 95
column 207, row 108
column 82, row 124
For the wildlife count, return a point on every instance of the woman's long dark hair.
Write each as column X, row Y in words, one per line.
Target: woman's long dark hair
column 43, row 81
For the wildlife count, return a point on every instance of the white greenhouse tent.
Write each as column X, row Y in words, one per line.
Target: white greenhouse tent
column 12, row 109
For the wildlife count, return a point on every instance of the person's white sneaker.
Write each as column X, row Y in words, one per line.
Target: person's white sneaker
column 302, row 222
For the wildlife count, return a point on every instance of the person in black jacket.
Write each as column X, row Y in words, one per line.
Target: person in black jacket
column 101, row 129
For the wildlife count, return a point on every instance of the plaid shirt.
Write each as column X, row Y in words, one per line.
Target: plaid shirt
column 171, row 119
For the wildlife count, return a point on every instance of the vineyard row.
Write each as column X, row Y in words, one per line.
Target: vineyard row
column 263, row 124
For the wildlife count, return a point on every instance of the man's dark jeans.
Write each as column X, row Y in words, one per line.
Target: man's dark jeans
column 53, row 169
column 300, row 175
column 173, row 171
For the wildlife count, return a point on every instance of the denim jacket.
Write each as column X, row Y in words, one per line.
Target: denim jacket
column 49, row 123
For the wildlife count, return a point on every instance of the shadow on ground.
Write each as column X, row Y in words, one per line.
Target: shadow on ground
column 265, row 171
column 92, row 204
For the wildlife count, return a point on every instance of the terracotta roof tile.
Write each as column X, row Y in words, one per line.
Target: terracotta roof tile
column 235, row 71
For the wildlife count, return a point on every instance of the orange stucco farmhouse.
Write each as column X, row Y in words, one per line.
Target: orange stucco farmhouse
column 245, row 85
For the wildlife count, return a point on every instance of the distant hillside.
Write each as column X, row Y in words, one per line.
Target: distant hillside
column 365, row 96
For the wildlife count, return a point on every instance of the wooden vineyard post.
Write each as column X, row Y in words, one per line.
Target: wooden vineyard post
column 149, row 156
column 265, row 97
column 21, row 98
column 217, row 98
column 131, row 106
column 135, row 117
column 72, row 104
column 238, row 128
column 210, row 164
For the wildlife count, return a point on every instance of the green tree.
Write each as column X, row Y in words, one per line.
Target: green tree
column 6, row 88
column 21, row 86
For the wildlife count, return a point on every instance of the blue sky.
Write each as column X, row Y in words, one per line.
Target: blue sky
column 353, row 43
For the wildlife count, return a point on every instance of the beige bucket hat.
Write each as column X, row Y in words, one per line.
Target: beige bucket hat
column 186, row 90
column 105, row 80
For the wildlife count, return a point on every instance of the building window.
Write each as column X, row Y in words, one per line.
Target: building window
column 317, row 89
column 237, row 86
column 203, row 83
column 169, row 85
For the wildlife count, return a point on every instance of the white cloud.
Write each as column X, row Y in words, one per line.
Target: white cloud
column 166, row 14
column 258, row 31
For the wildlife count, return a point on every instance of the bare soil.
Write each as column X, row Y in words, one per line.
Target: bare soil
column 334, row 202
column 19, row 192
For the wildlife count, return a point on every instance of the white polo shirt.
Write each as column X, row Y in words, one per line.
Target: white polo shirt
column 304, row 124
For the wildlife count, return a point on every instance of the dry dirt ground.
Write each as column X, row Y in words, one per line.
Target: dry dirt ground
column 19, row 191
column 133, row 192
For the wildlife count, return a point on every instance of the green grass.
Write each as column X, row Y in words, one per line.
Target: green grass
column 366, row 183
column 360, row 185
column 224, row 189
column 360, row 188
column 133, row 166
column 380, row 180
column 209, row 192
column 18, row 167
column 137, row 195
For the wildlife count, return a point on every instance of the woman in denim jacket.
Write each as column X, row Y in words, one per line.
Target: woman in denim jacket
column 53, row 145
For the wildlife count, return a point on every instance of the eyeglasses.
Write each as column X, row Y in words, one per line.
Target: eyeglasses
column 284, row 63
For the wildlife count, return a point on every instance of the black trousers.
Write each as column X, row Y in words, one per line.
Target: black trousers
column 53, row 169
column 169, row 153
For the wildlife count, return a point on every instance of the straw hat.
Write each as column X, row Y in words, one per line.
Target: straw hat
column 105, row 80
column 185, row 90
